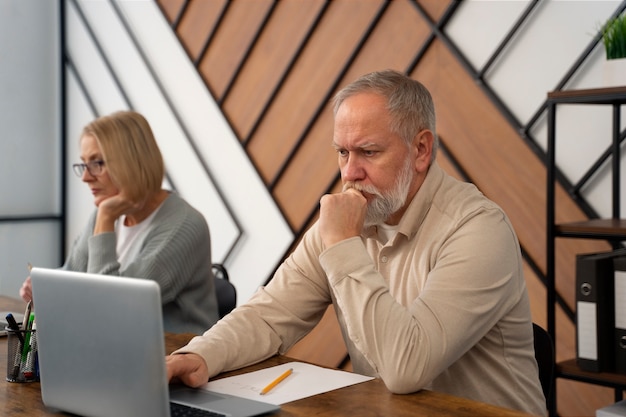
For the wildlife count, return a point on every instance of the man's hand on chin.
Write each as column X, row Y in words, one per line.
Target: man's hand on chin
column 342, row 216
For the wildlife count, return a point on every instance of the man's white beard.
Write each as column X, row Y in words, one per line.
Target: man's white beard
column 385, row 204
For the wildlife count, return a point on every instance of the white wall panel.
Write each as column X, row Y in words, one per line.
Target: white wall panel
column 550, row 43
column 479, row 26
column 36, row 243
column 29, row 108
column 30, row 143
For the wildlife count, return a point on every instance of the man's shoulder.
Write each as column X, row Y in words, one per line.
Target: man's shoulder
column 461, row 197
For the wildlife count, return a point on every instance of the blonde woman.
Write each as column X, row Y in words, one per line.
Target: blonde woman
column 139, row 229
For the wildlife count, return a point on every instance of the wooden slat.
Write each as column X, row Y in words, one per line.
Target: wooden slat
column 171, row 8
column 338, row 33
column 315, row 163
column 324, row 345
column 232, row 39
column 435, row 8
column 197, row 25
column 268, row 62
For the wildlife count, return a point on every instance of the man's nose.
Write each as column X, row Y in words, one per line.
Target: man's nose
column 352, row 170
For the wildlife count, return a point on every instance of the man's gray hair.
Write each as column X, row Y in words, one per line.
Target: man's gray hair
column 409, row 103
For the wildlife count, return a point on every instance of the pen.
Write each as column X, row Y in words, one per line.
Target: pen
column 31, row 357
column 275, row 382
column 29, row 307
column 27, row 332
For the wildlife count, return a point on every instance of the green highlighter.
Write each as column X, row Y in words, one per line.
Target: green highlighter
column 27, row 332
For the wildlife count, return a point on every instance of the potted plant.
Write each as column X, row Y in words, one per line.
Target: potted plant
column 614, row 37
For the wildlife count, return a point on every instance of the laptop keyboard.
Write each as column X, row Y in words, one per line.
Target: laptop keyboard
column 180, row 410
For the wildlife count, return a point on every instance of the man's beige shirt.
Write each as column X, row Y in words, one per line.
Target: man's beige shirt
column 443, row 305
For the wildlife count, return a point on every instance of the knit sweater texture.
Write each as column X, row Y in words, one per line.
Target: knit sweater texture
column 176, row 253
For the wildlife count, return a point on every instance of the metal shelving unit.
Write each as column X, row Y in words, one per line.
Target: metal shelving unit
column 612, row 230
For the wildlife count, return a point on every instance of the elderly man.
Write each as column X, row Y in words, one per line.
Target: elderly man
column 424, row 271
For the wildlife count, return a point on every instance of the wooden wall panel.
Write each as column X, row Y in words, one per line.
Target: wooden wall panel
column 277, row 46
column 324, row 345
column 197, row 25
column 435, row 8
column 233, row 37
column 309, row 174
column 336, row 37
column 171, row 8
column 392, row 44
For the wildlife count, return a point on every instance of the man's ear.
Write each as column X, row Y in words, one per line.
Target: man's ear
column 423, row 144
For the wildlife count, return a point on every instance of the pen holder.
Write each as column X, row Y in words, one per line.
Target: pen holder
column 22, row 358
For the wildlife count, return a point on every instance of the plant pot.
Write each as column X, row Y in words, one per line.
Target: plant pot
column 614, row 73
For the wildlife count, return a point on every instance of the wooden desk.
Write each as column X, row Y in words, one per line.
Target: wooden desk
column 366, row 399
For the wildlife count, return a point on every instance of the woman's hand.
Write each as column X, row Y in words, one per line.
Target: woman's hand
column 26, row 290
column 110, row 209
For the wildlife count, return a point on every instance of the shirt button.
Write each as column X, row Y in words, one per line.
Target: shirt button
column 384, row 259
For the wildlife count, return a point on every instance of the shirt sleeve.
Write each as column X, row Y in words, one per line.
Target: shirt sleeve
column 274, row 319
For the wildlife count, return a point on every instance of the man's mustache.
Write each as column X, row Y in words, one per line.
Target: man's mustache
column 369, row 189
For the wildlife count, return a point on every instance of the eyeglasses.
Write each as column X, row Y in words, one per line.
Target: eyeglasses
column 93, row 167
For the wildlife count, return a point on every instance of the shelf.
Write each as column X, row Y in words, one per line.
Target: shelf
column 569, row 370
column 612, row 95
column 611, row 229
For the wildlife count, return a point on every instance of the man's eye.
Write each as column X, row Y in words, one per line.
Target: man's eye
column 342, row 152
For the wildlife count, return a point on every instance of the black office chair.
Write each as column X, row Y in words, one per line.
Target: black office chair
column 544, row 355
column 224, row 290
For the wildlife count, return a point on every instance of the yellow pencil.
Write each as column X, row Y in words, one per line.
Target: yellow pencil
column 275, row 382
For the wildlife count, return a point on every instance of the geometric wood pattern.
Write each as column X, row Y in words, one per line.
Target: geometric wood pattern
column 273, row 67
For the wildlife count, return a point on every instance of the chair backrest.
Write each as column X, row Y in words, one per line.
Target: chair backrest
column 224, row 290
column 544, row 355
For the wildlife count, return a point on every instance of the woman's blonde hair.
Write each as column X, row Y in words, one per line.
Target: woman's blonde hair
column 130, row 152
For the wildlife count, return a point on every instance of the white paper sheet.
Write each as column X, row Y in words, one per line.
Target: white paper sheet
column 305, row 381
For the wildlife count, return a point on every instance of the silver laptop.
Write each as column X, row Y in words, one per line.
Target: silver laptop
column 101, row 349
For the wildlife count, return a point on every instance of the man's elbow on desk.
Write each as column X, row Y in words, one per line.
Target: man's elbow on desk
column 401, row 389
column 402, row 383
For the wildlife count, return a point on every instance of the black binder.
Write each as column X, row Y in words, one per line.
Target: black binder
column 619, row 340
column 595, row 312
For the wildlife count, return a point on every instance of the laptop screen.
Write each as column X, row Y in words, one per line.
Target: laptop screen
column 102, row 349
column 101, row 344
